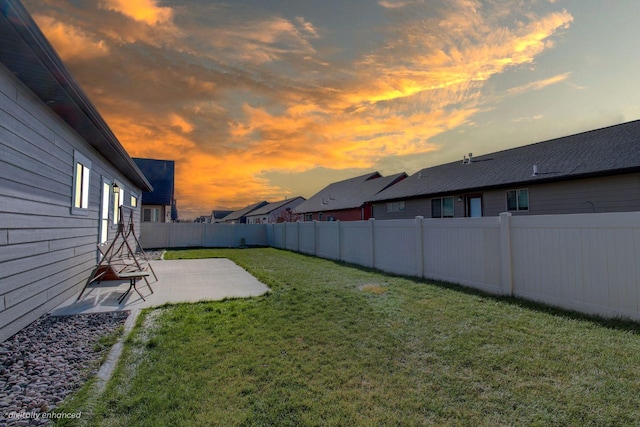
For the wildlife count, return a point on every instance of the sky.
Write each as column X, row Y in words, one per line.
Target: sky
column 272, row 99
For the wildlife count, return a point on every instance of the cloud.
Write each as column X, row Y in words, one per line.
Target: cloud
column 539, row 84
column 233, row 97
column 71, row 43
column 181, row 123
column 146, row 11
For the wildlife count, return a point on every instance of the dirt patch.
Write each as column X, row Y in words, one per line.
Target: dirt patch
column 373, row 289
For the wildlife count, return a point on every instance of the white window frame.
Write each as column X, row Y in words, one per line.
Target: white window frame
column 395, row 206
column 105, row 204
column 118, row 200
column 154, row 213
column 517, row 195
column 81, row 184
column 134, row 200
column 442, row 215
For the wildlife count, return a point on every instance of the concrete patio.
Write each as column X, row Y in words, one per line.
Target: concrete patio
column 189, row 280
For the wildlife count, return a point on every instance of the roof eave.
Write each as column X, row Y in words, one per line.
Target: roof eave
column 90, row 126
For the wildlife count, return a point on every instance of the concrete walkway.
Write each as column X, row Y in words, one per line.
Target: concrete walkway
column 190, row 280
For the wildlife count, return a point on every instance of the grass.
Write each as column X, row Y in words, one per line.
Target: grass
column 337, row 345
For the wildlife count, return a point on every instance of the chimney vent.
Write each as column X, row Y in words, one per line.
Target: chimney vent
column 535, row 170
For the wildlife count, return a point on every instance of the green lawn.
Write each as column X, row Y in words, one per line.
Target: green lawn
column 338, row 345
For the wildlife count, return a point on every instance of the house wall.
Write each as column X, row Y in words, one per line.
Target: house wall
column 339, row 215
column 46, row 253
column 618, row 193
column 165, row 211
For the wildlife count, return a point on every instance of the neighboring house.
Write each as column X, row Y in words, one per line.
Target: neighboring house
column 63, row 176
column 240, row 216
column 218, row 215
column 158, row 205
column 282, row 211
column 347, row 200
column 595, row 171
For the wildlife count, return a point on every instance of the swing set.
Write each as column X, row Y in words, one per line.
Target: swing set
column 123, row 259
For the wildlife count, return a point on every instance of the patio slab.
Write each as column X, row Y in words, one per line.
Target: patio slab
column 190, row 280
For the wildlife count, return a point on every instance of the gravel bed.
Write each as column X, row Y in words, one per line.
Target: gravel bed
column 49, row 359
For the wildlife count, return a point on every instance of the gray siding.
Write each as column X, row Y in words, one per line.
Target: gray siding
column 618, row 193
column 46, row 253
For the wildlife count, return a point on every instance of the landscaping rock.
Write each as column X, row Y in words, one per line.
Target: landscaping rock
column 49, row 359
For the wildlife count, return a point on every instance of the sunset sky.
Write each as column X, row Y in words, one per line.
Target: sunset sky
column 266, row 99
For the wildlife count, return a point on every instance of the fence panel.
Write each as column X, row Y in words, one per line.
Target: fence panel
column 291, row 237
column 183, row 235
column 356, row 242
column 328, row 235
column 395, row 246
column 464, row 251
column 586, row 262
column 279, row 237
column 154, row 235
column 307, row 237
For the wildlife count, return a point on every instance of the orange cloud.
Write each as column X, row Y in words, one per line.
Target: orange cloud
column 71, row 42
column 146, row 11
column 229, row 103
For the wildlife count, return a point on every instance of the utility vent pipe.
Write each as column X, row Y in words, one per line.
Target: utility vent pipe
column 535, row 170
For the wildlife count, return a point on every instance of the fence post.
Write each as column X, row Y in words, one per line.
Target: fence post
column 297, row 236
column 339, row 239
column 419, row 246
column 505, row 253
column 372, row 263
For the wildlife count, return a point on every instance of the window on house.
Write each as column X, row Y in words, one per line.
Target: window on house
column 151, row 215
column 308, row 217
column 104, row 211
column 134, row 201
column 118, row 198
column 518, row 200
column 395, row 207
column 81, row 181
column 442, row 207
column 319, row 216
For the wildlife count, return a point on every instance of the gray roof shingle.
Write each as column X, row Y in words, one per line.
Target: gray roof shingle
column 606, row 151
column 236, row 215
column 268, row 208
column 348, row 194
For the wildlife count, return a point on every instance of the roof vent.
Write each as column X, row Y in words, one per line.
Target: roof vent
column 470, row 157
column 535, row 170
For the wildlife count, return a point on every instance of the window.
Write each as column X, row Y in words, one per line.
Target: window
column 118, row 198
column 151, row 215
column 518, row 200
column 308, row 217
column 395, row 207
column 104, row 210
column 319, row 216
column 81, row 180
column 134, row 201
column 442, row 208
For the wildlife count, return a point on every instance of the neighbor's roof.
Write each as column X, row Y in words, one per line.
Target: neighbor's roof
column 26, row 52
column 350, row 193
column 268, row 208
column 235, row 215
column 160, row 174
column 607, row 151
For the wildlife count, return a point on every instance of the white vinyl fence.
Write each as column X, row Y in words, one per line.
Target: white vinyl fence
column 585, row 262
column 185, row 235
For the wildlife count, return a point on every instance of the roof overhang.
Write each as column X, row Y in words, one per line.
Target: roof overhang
column 26, row 52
